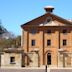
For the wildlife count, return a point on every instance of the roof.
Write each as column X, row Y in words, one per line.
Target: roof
column 41, row 18
column 13, row 50
column 48, row 7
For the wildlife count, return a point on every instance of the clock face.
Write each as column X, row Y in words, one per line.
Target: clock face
column 49, row 19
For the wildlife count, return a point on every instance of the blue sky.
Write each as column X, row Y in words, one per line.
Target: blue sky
column 13, row 13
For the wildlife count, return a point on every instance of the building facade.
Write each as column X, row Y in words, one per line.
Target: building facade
column 47, row 40
column 11, row 58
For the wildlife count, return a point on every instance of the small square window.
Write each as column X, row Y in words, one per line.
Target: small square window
column 33, row 31
column 12, row 60
column 33, row 42
column 64, row 42
column 48, row 42
column 64, row 31
column 49, row 31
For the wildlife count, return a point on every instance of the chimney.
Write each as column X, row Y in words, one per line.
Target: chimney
column 49, row 9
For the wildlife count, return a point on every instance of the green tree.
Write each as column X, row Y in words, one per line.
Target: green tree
column 8, row 43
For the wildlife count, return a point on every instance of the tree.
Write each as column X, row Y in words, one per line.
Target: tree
column 18, row 41
column 8, row 43
column 8, row 39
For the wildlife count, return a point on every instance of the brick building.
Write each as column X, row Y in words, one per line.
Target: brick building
column 47, row 40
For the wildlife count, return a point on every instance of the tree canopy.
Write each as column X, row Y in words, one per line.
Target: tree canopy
column 8, row 43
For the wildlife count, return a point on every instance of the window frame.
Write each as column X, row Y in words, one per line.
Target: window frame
column 48, row 42
column 48, row 31
column 33, row 42
column 64, row 31
column 33, row 31
column 12, row 60
column 64, row 42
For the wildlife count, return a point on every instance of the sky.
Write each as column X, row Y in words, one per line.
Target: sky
column 14, row 13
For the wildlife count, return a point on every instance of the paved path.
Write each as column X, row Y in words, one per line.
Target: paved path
column 61, row 70
column 35, row 70
column 22, row 70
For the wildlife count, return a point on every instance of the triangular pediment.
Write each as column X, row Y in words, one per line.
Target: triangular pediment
column 42, row 21
column 53, row 23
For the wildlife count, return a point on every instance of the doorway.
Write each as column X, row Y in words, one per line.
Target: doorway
column 49, row 59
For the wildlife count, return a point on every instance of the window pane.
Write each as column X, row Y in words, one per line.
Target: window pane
column 64, row 42
column 49, row 31
column 33, row 42
column 64, row 31
column 33, row 31
column 12, row 59
column 48, row 42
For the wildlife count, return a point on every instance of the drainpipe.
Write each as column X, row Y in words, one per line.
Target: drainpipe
column 43, row 49
column 59, row 38
column 58, row 47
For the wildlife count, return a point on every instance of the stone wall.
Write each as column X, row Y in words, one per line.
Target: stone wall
column 5, row 60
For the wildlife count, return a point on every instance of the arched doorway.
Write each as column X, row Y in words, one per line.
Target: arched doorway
column 49, row 59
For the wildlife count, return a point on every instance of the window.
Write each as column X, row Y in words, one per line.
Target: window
column 64, row 42
column 33, row 31
column 64, row 31
column 49, row 59
column 12, row 60
column 33, row 42
column 48, row 42
column 49, row 31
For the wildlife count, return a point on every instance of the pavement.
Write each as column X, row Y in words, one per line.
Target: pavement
column 22, row 70
column 35, row 70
